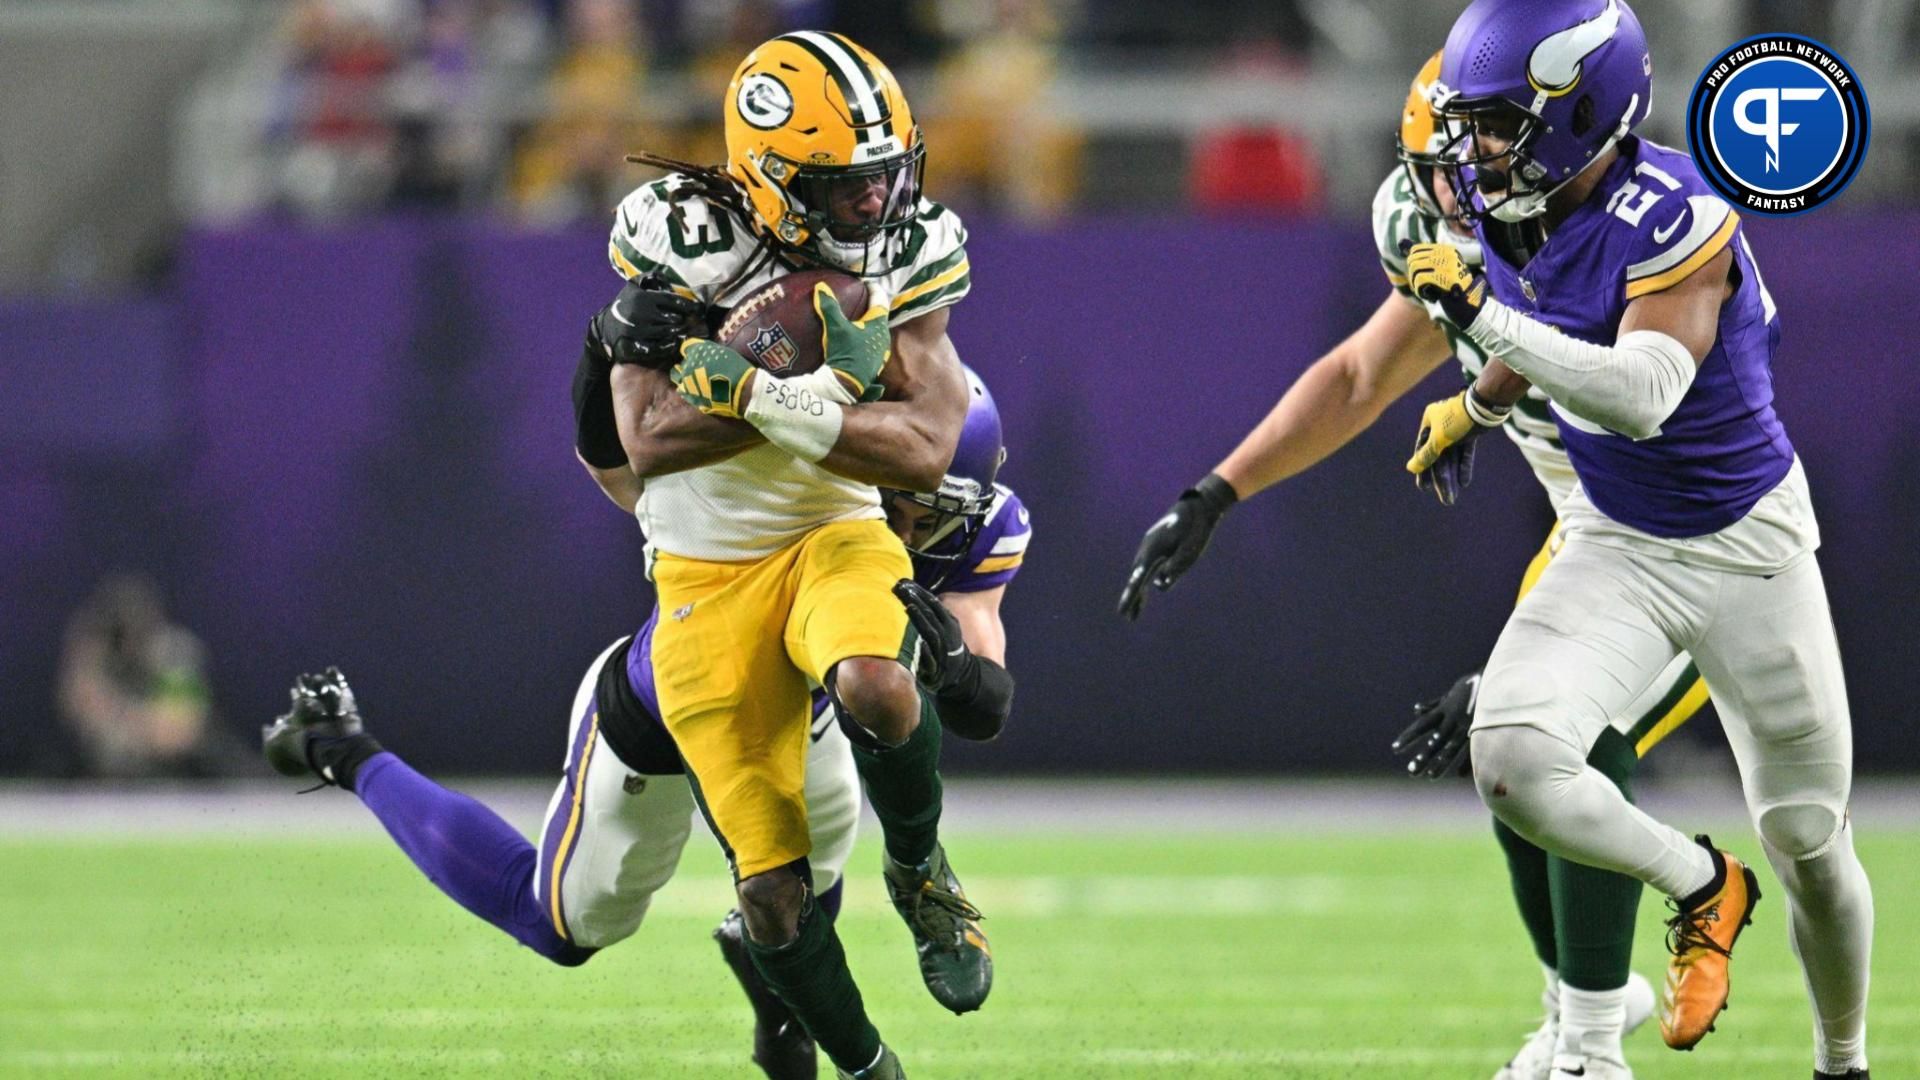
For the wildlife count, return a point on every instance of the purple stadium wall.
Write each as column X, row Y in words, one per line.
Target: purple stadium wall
column 354, row 447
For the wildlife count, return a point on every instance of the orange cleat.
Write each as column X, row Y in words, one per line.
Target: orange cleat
column 1701, row 939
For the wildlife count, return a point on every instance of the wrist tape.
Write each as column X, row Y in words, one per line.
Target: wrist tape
column 800, row 415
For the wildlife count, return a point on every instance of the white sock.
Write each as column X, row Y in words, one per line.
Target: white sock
column 1550, row 997
column 1830, row 917
column 1590, row 1022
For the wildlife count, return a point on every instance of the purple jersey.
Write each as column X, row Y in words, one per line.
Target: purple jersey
column 991, row 560
column 1651, row 222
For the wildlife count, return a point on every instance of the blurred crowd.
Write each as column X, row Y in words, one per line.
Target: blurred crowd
column 531, row 104
column 134, row 696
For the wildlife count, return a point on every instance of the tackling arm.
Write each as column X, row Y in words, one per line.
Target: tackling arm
column 978, row 614
column 962, row 644
column 618, row 483
column 1336, row 398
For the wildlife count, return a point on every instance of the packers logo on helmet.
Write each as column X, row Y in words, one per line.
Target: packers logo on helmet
column 821, row 140
column 764, row 101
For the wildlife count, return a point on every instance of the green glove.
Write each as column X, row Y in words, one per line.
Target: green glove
column 856, row 351
column 712, row 377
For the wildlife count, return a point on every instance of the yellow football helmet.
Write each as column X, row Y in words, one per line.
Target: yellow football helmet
column 1421, row 135
column 820, row 138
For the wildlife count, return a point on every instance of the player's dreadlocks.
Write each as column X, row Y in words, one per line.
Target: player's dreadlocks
column 710, row 182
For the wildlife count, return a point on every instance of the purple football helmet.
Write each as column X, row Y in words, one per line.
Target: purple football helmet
column 1556, row 81
column 966, row 492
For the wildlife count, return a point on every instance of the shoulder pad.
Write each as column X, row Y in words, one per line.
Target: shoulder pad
column 937, row 273
column 1666, row 220
column 695, row 245
column 1673, row 241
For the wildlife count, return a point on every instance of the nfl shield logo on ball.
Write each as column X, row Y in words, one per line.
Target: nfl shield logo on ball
column 772, row 349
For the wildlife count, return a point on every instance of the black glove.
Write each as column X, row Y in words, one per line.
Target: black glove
column 1171, row 547
column 646, row 323
column 945, row 660
column 972, row 695
column 1436, row 743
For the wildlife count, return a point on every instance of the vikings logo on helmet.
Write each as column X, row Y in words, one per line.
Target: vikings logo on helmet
column 1534, row 93
column 1554, row 65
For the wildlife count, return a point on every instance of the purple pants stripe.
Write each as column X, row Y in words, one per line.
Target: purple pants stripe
column 563, row 831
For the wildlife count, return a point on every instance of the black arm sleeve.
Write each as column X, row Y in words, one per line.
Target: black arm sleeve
column 976, row 708
column 595, row 434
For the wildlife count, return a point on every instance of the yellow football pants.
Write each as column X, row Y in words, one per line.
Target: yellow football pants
column 732, row 655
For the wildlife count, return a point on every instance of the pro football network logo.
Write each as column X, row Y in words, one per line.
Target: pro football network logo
column 772, row 349
column 1778, row 124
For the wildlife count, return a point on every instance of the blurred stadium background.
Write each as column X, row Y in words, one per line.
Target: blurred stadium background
column 290, row 294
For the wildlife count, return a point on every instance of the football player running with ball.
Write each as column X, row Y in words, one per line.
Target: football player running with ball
column 1613, row 279
column 1580, row 919
column 769, row 548
column 622, row 813
column 768, row 544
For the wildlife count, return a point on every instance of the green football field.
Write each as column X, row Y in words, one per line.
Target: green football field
column 1182, row 955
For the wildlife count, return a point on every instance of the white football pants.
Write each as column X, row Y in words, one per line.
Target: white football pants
column 1601, row 623
column 624, row 841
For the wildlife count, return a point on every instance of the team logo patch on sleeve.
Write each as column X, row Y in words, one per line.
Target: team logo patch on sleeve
column 1778, row 124
column 772, row 349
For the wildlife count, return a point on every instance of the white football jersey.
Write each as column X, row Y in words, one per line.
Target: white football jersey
column 763, row 499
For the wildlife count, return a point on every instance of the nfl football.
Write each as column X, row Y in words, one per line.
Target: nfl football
column 775, row 327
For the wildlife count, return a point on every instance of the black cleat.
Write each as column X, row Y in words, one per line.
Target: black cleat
column 955, row 960
column 321, row 735
column 781, row 1047
column 1850, row 1074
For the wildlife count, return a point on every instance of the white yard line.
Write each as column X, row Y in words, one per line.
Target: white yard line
column 1131, row 806
column 1145, row 1060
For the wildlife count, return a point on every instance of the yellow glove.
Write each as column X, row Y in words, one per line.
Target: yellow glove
column 1443, row 451
column 1443, row 281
